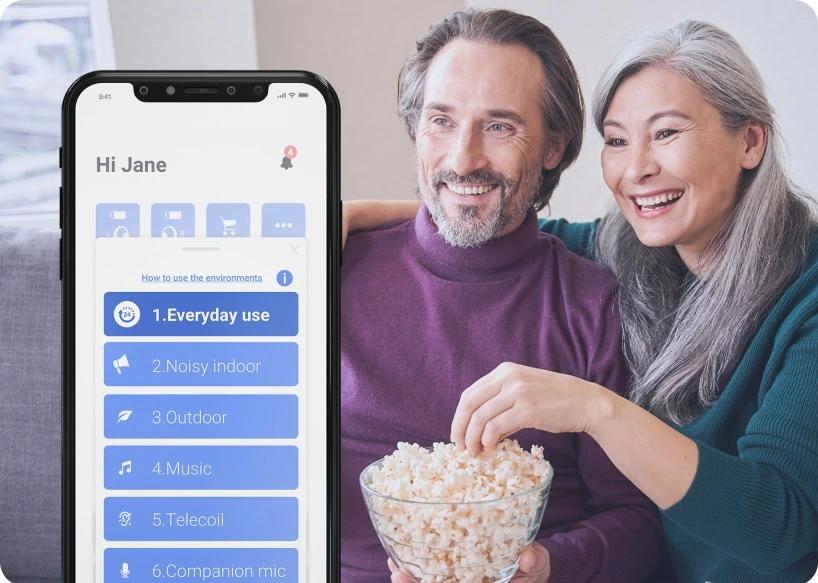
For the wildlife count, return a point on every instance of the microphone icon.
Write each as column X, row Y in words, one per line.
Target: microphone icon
column 125, row 571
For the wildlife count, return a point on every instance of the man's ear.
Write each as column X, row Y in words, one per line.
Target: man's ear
column 555, row 153
column 754, row 143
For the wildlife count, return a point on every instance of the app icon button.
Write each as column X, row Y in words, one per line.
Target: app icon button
column 117, row 220
column 172, row 220
column 228, row 220
column 282, row 220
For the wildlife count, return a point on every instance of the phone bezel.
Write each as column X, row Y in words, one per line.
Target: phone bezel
column 68, row 264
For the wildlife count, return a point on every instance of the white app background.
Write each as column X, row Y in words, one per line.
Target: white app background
column 233, row 155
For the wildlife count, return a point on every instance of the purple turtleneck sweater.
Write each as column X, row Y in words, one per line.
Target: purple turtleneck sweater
column 422, row 320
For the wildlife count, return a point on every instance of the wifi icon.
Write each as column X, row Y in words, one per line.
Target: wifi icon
column 291, row 94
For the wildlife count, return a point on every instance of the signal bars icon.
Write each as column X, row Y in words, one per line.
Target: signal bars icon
column 282, row 95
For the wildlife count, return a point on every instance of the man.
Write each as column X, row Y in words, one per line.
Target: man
column 493, row 105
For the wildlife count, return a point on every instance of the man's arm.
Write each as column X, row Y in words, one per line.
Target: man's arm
column 622, row 539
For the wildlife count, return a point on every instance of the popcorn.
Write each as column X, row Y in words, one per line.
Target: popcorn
column 448, row 516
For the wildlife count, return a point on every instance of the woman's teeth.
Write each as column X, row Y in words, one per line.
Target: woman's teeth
column 659, row 200
column 459, row 189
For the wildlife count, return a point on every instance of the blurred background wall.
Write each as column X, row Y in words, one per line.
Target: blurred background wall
column 359, row 46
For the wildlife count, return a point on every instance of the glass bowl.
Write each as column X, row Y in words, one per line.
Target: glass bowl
column 444, row 542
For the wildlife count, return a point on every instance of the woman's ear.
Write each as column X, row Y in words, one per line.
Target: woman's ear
column 754, row 141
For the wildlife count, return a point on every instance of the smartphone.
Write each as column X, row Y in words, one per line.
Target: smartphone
column 200, row 216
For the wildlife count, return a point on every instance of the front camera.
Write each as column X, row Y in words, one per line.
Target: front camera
column 143, row 90
column 171, row 89
column 258, row 90
column 231, row 90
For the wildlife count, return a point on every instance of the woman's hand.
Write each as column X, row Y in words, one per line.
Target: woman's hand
column 514, row 397
column 359, row 215
column 535, row 567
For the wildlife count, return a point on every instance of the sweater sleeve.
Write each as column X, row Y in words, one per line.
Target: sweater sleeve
column 578, row 237
column 760, row 505
column 621, row 540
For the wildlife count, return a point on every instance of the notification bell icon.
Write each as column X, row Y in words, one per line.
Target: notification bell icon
column 286, row 163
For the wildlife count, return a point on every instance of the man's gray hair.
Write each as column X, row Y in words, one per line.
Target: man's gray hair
column 684, row 334
column 561, row 100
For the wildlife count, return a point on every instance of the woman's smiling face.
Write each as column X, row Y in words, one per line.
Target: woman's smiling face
column 672, row 166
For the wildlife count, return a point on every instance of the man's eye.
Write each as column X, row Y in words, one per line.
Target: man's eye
column 662, row 134
column 499, row 127
column 440, row 121
column 615, row 142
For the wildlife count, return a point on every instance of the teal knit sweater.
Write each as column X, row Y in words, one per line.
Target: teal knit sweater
column 751, row 513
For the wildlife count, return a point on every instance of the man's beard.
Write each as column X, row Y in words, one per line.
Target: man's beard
column 467, row 229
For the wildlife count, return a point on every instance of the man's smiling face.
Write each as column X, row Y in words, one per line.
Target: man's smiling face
column 480, row 140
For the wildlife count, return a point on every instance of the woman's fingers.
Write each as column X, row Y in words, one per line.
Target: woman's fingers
column 472, row 399
column 501, row 426
column 481, row 417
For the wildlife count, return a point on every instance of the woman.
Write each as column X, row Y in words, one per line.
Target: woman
column 717, row 258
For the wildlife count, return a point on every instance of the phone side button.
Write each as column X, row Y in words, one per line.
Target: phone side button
column 60, row 156
column 340, row 228
column 61, row 203
column 60, row 258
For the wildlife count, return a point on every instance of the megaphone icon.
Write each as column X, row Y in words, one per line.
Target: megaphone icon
column 120, row 363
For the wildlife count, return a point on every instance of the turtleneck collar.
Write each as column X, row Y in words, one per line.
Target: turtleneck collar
column 473, row 263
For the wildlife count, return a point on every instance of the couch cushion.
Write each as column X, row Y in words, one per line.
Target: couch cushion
column 30, row 404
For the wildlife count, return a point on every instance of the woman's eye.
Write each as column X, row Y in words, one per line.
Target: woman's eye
column 662, row 134
column 615, row 142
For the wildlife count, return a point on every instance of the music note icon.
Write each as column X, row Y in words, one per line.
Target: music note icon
column 126, row 468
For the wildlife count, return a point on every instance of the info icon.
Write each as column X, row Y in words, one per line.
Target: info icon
column 284, row 278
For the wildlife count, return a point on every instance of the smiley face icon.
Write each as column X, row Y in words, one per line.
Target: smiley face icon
column 126, row 314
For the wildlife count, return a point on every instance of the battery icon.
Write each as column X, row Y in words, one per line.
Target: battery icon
column 303, row 94
column 173, row 215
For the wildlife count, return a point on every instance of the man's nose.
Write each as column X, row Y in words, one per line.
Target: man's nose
column 641, row 164
column 467, row 154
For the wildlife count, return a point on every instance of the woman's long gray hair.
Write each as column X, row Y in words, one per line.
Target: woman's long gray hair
column 684, row 335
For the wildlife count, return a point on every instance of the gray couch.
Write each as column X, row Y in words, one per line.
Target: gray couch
column 30, row 405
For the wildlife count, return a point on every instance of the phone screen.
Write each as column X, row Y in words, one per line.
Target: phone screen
column 200, row 277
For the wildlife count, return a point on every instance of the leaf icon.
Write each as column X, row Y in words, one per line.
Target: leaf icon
column 124, row 416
